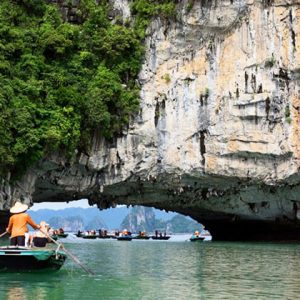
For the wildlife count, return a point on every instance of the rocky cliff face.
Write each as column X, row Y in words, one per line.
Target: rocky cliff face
column 217, row 136
column 139, row 219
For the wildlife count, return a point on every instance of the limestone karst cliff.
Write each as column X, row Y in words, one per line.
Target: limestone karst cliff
column 217, row 135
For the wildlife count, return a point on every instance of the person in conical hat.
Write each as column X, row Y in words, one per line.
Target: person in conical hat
column 17, row 226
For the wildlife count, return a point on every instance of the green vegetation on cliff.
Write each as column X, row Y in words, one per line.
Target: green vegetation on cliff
column 61, row 81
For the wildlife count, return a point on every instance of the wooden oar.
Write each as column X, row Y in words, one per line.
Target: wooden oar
column 2, row 234
column 69, row 253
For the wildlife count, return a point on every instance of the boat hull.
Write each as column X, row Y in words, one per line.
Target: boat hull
column 197, row 239
column 163, row 238
column 124, row 238
column 89, row 237
column 141, row 237
column 27, row 259
column 62, row 235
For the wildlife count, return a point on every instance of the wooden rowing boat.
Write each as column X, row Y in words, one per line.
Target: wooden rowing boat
column 16, row 258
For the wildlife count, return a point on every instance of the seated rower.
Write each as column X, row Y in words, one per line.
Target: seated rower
column 39, row 239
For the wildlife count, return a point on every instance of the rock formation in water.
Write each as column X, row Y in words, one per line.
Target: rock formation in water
column 217, row 135
column 139, row 219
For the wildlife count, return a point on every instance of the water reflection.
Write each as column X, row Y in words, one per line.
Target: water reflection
column 16, row 292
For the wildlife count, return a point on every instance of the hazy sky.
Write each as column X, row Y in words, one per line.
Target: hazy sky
column 60, row 205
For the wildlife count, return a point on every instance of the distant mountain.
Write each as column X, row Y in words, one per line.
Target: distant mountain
column 96, row 223
column 89, row 218
column 182, row 224
column 140, row 218
column 73, row 223
column 110, row 218
column 144, row 219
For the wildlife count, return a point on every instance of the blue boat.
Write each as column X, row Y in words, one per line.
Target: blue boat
column 16, row 258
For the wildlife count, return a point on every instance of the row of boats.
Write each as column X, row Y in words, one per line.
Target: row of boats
column 125, row 235
column 204, row 235
column 16, row 258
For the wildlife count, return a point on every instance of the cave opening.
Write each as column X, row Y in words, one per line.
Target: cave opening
column 78, row 215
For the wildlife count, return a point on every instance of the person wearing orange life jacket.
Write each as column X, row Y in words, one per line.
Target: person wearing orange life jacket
column 17, row 226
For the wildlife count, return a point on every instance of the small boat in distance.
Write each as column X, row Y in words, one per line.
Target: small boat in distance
column 79, row 233
column 17, row 258
column 103, row 234
column 142, row 236
column 164, row 238
column 204, row 236
column 62, row 235
column 125, row 235
column 89, row 236
column 159, row 236
column 124, row 238
column 59, row 233
column 196, row 238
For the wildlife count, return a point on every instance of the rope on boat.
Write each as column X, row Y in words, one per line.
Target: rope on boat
column 56, row 251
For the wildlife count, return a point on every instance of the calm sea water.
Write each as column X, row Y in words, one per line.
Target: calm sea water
column 174, row 269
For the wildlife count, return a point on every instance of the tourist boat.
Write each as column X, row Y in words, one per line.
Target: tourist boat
column 16, row 258
column 203, row 236
column 104, row 236
column 89, row 236
column 195, row 238
column 125, row 235
column 62, row 235
column 124, row 238
column 157, row 237
column 141, row 237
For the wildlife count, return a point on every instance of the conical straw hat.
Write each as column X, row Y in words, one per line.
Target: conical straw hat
column 18, row 208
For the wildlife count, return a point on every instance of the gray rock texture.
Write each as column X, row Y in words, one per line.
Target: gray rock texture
column 217, row 135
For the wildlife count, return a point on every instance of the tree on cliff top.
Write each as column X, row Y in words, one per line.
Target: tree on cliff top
column 61, row 81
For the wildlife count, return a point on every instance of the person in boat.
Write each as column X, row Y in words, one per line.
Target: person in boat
column 126, row 233
column 196, row 233
column 51, row 231
column 40, row 238
column 17, row 225
column 61, row 231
